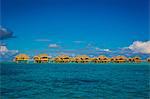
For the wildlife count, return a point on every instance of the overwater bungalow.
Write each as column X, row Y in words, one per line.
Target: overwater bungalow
column 82, row 59
column 148, row 59
column 76, row 59
column 135, row 59
column 95, row 60
column 72, row 59
column 44, row 58
column 130, row 59
column 41, row 58
column 119, row 59
column 37, row 59
column 21, row 58
column 62, row 59
column 103, row 59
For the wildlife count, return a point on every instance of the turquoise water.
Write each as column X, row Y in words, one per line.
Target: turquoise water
column 75, row 81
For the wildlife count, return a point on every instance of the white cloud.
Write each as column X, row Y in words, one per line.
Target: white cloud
column 78, row 41
column 6, row 54
column 3, row 48
column 97, row 48
column 140, row 47
column 42, row 40
column 105, row 50
column 4, row 29
column 53, row 46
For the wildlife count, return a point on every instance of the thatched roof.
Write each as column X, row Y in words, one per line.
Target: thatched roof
column 102, row 57
column 137, row 58
column 36, row 57
column 43, row 55
column 148, row 58
column 82, row 57
column 94, row 58
column 63, row 56
column 20, row 56
column 72, row 59
column 120, row 58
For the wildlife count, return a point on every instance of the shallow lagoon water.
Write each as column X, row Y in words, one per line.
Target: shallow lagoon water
column 75, row 81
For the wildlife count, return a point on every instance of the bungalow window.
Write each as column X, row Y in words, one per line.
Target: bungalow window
column 105, row 58
column 44, row 57
column 121, row 59
column 66, row 58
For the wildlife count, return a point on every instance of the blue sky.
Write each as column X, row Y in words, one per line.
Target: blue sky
column 75, row 24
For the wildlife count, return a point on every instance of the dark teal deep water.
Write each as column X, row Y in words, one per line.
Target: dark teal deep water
column 75, row 81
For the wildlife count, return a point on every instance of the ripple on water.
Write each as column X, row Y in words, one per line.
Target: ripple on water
column 58, row 81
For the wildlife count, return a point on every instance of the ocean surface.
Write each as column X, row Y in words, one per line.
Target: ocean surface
column 75, row 81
